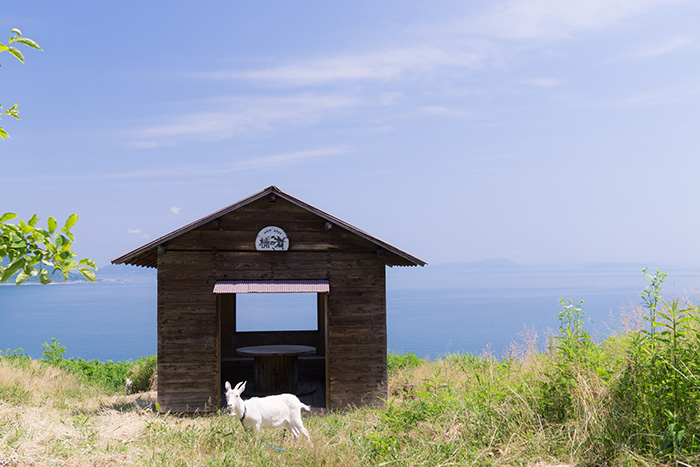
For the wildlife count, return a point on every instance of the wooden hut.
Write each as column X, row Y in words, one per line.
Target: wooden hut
column 269, row 242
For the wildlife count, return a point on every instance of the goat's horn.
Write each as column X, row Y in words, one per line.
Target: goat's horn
column 239, row 385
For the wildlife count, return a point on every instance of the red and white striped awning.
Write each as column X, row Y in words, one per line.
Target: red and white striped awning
column 318, row 286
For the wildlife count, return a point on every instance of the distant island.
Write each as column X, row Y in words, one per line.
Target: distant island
column 56, row 278
column 491, row 263
column 110, row 270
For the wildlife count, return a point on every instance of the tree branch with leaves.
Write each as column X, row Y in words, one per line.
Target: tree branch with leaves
column 16, row 38
column 27, row 250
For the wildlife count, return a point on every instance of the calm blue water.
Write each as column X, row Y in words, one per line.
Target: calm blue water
column 107, row 320
column 430, row 311
column 456, row 309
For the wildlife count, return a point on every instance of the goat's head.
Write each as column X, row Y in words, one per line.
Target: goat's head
column 234, row 393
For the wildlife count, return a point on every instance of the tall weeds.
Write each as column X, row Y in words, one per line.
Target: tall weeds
column 657, row 397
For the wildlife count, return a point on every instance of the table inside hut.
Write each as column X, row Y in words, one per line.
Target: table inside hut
column 276, row 366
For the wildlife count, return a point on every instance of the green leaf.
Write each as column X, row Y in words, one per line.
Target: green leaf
column 26, row 273
column 33, row 220
column 685, row 319
column 88, row 262
column 7, row 216
column 44, row 277
column 52, row 224
column 24, row 227
column 67, row 265
column 21, row 277
column 66, row 247
column 41, row 235
column 663, row 315
column 29, row 43
column 3, row 133
column 12, row 269
column 65, row 255
column 18, row 244
column 13, row 112
column 70, row 222
column 16, row 52
column 89, row 274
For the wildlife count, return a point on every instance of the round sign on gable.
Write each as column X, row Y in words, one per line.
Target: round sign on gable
column 272, row 238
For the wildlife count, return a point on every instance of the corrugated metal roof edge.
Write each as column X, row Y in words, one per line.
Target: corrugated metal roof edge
column 412, row 260
column 272, row 286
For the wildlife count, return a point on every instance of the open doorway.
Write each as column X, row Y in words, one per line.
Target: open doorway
column 275, row 319
column 270, row 312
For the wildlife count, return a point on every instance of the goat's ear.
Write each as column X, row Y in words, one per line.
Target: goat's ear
column 228, row 386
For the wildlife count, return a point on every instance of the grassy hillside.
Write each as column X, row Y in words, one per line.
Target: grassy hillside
column 632, row 400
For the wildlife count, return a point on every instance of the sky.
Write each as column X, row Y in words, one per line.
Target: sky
column 531, row 130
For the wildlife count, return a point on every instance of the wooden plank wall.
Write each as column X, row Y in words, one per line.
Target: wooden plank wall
column 188, row 323
column 357, row 342
column 188, row 344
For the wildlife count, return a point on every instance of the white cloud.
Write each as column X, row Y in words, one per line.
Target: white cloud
column 466, row 41
column 664, row 48
column 277, row 160
column 387, row 64
column 241, row 117
column 439, row 56
column 175, row 210
column 390, row 98
column 140, row 234
column 251, row 163
column 681, row 93
column 545, row 19
column 443, row 111
column 543, row 82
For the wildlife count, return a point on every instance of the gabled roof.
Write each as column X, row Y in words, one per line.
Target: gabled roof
column 147, row 255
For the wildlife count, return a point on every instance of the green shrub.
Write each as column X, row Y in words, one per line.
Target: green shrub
column 109, row 375
column 53, row 352
column 141, row 373
column 397, row 362
column 658, row 392
column 16, row 357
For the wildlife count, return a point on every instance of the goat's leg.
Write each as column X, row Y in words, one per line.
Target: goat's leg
column 305, row 433
column 292, row 429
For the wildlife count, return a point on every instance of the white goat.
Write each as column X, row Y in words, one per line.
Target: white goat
column 268, row 412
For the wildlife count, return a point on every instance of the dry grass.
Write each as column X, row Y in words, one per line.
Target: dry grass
column 49, row 418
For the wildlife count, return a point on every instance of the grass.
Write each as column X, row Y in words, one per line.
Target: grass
column 631, row 400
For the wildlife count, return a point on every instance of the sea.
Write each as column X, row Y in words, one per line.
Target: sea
column 491, row 307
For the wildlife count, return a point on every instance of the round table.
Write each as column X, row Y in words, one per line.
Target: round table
column 276, row 366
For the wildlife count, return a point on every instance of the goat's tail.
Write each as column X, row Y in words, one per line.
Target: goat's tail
column 306, row 407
